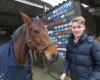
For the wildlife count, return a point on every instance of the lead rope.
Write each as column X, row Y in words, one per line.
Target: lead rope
column 30, row 53
column 46, row 69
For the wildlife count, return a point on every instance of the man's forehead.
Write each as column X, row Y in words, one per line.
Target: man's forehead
column 77, row 23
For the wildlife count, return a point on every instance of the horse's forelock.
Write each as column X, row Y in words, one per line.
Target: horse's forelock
column 37, row 20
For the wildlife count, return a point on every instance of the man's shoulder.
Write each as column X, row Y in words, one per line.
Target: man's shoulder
column 91, row 38
column 94, row 42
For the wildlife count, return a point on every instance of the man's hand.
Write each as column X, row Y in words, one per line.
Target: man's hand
column 62, row 77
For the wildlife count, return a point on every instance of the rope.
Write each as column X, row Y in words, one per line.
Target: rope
column 45, row 67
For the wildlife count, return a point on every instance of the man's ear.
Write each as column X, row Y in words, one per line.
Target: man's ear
column 26, row 18
column 84, row 27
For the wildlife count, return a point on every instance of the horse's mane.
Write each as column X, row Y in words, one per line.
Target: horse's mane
column 19, row 30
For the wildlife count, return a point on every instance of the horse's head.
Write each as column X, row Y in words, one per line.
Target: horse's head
column 38, row 38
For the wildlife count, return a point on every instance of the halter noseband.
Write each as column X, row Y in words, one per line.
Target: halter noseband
column 38, row 49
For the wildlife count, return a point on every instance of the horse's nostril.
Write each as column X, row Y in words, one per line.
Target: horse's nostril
column 54, row 58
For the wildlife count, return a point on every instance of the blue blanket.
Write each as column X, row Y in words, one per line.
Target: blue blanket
column 10, row 68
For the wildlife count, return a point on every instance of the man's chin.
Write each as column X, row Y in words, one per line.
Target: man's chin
column 77, row 36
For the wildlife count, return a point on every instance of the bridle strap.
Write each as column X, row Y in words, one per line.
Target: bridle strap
column 38, row 49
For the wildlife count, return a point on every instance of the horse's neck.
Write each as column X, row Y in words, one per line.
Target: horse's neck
column 21, row 50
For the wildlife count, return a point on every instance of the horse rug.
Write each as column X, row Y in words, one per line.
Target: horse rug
column 10, row 68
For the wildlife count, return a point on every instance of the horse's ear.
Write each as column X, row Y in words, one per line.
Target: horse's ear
column 26, row 18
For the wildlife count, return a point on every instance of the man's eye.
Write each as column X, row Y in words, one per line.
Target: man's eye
column 73, row 27
column 79, row 26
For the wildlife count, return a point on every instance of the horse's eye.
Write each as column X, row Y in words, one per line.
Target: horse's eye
column 35, row 31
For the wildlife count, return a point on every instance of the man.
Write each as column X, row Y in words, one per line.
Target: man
column 82, row 55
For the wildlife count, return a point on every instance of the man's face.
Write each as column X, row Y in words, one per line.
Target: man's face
column 77, row 29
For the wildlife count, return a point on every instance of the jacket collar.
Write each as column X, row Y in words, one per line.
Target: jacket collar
column 84, row 37
column 81, row 39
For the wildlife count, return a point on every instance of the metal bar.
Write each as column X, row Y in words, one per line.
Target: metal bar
column 31, row 3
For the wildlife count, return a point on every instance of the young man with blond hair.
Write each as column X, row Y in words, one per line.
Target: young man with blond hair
column 82, row 54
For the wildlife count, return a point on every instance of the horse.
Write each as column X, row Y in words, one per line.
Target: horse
column 16, row 55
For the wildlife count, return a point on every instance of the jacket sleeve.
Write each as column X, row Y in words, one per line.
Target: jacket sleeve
column 95, row 75
column 66, row 63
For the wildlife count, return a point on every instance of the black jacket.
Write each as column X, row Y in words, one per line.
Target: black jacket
column 83, row 58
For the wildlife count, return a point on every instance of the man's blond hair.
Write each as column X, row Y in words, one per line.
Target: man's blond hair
column 79, row 19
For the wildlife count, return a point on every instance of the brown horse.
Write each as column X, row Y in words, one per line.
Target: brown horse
column 15, row 58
